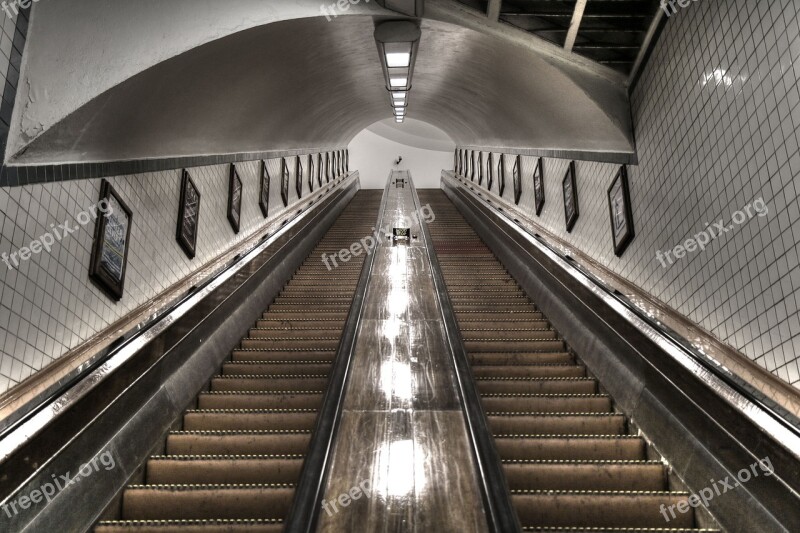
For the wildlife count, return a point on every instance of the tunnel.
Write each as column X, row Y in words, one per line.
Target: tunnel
column 483, row 266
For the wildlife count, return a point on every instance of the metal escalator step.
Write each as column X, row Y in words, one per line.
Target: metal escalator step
column 547, row 403
column 170, row 502
column 585, row 475
column 238, row 442
column 571, row 447
column 557, row 423
column 632, row 509
column 191, row 526
column 236, row 419
column 223, row 469
column 530, row 371
column 512, row 385
column 260, row 400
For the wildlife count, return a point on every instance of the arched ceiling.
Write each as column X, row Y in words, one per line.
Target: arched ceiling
column 292, row 83
column 414, row 133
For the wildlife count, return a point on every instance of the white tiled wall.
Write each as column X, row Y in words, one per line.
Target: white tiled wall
column 717, row 117
column 48, row 305
column 7, row 25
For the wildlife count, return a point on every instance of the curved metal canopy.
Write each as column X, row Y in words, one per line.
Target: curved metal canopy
column 307, row 83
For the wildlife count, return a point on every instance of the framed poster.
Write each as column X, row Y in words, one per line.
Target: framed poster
column 263, row 197
column 570, row 187
column 310, row 173
column 480, row 168
column 284, row 182
column 235, row 199
column 328, row 167
column 473, row 164
column 619, row 204
column 490, row 163
column 455, row 161
column 538, row 186
column 112, row 237
column 501, row 174
column 516, row 173
column 188, row 215
column 347, row 160
column 320, row 165
column 298, row 177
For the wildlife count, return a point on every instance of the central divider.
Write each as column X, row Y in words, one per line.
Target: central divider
column 402, row 441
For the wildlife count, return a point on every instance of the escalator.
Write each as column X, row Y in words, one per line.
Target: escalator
column 238, row 455
column 572, row 462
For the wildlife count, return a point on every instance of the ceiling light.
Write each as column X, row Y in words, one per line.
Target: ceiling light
column 398, row 59
column 398, row 82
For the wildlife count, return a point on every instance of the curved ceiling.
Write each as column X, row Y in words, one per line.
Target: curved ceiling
column 414, row 133
column 307, row 83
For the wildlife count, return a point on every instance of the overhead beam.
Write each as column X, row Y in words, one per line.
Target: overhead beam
column 574, row 26
column 493, row 11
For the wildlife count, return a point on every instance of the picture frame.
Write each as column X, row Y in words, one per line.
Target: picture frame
column 112, row 237
column 310, row 173
column 570, row 190
column 235, row 199
column 538, row 186
column 480, row 168
column 263, row 196
column 347, row 161
column 320, row 168
column 501, row 174
column 455, row 160
column 328, row 167
column 188, row 215
column 490, row 177
column 285, row 182
column 298, row 176
column 516, row 174
column 474, row 164
column 621, row 212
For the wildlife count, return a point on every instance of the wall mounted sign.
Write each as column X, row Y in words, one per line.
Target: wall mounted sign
column 490, row 163
column 188, row 216
column 570, row 188
column 310, row 173
column 619, row 204
column 538, row 186
column 112, row 237
column 235, row 199
column 298, row 177
column 473, row 164
column 284, row 182
column 516, row 173
column 501, row 174
column 263, row 197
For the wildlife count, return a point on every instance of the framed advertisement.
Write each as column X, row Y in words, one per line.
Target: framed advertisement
column 516, row 176
column 320, row 168
column 538, row 186
column 284, row 182
column 310, row 173
column 490, row 164
column 235, row 199
column 619, row 205
column 112, row 237
column 188, row 215
column 501, row 174
column 570, row 189
column 298, row 177
column 480, row 168
column 263, row 196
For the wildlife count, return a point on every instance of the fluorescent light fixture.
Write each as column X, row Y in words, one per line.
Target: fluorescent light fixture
column 398, row 59
column 398, row 82
column 399, row 95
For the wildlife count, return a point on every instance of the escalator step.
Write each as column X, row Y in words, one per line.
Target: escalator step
column 238, row 442
column 227, row 469
column 191, row 526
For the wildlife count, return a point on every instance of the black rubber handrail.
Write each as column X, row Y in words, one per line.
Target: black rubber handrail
column 307, row 504
column 140, row 329
column 500, row 513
